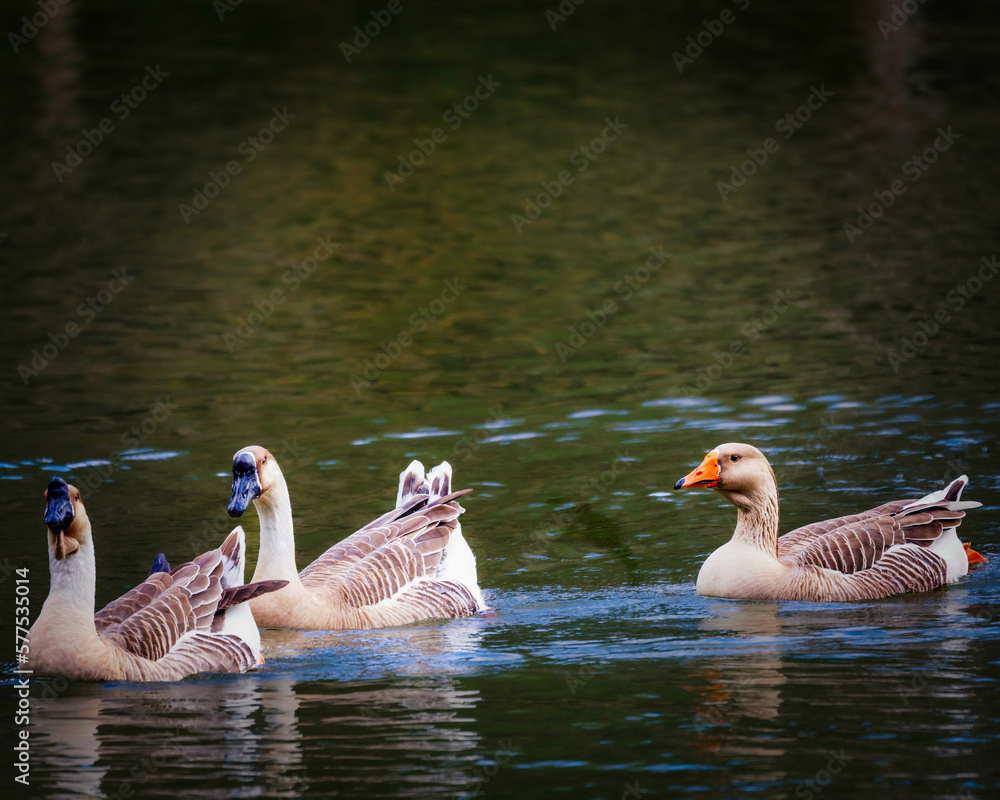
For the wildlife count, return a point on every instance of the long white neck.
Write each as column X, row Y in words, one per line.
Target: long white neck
column 70, row 604
column 276, row 560
column 757, row 520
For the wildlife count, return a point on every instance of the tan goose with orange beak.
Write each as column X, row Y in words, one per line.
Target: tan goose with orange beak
column 902, row 546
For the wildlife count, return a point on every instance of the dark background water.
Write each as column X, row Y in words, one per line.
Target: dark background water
column 863, row 364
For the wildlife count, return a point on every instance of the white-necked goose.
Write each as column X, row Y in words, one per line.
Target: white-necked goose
column 902, row 546
column 408, row 565
column 173, row 624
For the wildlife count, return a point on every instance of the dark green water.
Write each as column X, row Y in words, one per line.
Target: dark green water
column 600, row 674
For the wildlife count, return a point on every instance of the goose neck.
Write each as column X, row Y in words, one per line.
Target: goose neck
column 277, row 539
column 71, row 599
column 757, row 522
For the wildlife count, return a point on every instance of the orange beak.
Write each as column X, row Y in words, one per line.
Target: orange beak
column 707, row 473
column 972, row 555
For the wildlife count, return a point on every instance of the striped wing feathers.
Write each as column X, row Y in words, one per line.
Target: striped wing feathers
column 115, row 612
column 923, row 527
column 857, row 542
column 427, row 599
column 387, row 570
column 909, row 568
column 393, row 561
column 792, row 540
column 186, row 600
column 849, row 548
column 864, row 547
column 235, row 595
column 201, row 652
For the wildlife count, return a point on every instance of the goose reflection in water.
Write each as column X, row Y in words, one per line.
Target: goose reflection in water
column 215, row 731
column 258, row 736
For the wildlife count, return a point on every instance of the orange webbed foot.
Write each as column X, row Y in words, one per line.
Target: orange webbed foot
column 972, row 555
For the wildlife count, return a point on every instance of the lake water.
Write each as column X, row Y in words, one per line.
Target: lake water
column 570, row 285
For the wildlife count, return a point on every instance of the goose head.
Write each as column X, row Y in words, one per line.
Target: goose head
column 255, row 471
column 66, row 519
column 739, row 472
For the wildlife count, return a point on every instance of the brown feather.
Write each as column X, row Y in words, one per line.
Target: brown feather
column 240, row 594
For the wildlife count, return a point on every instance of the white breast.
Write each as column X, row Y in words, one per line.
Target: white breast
column 739, row 570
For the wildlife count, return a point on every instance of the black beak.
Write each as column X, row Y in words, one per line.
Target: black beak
column 246, row 485
column 58, row 508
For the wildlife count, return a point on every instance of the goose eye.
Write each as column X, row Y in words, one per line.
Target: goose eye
column 734, row 458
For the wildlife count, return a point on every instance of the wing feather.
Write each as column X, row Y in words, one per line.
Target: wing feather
column 387, row 568
column 203, row 652
column 857, row 542
column 136, row 598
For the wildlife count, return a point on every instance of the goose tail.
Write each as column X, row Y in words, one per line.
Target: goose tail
column 958, row 555
column 411, row 483
column 234, row 552
column 234, row 615
column 438, row 482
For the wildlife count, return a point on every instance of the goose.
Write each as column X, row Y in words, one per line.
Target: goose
column 409, row 565
column 173, row 624
column 901, row 546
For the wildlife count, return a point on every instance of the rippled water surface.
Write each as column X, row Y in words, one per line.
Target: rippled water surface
column 571, row 366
